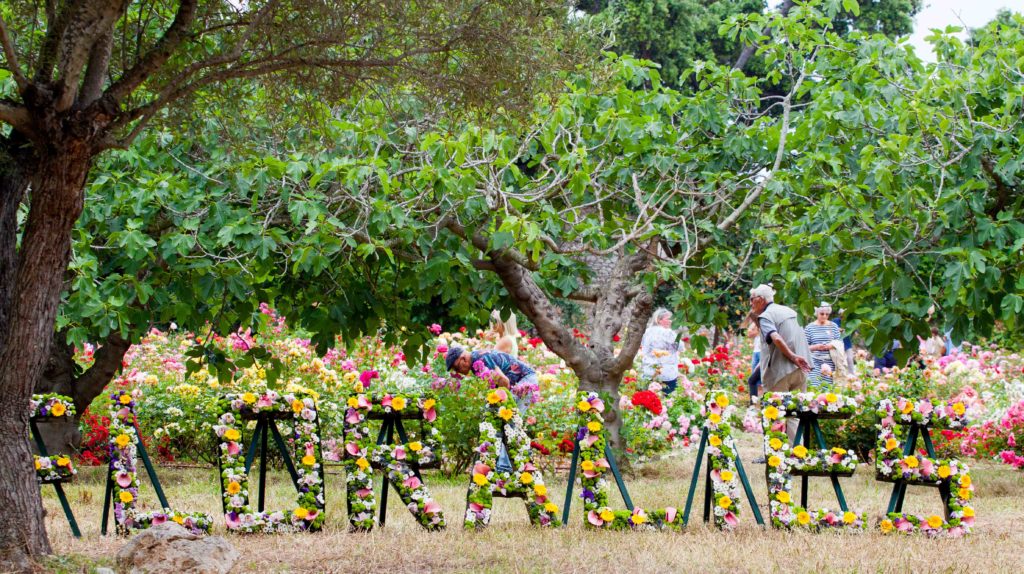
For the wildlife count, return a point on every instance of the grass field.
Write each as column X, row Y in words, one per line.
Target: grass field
column 511, row 545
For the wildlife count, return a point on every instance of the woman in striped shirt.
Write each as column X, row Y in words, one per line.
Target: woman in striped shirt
column 820, row 335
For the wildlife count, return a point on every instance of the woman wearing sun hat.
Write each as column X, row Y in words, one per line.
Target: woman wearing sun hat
column 820, row 335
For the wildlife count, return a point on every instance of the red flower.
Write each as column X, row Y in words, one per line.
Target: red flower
column 566, row 445
column 538, row 446
column 616, row 337
column 649, row 400
column 535, row 342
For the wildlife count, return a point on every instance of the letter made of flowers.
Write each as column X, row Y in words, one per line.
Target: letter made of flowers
column 594, row 483
column 301, row 412
column 362, row 455
column 524, row 481
column 892, row 462
column 54, row 468
column 784, row 460
column 124, row 440
column 718, row 412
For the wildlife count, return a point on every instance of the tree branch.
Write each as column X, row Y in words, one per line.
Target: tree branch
column 17, row 117
column 748, row 51
column 91, row 22
column 12, row 57
column 96, row 72
column 108, row 360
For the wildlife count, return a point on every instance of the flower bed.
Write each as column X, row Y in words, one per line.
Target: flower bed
column 718, row 412
column 525, row 481
column 124, row 440
column 302, row 411
column 362, row 454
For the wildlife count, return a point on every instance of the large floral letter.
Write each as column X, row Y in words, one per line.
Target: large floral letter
column 124, row 440
column 896, row 461
column 525, row 481
column 400, row 461
column 301, row 412
column 784, row 459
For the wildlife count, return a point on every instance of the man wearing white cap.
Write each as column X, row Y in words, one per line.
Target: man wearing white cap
column 784, row 353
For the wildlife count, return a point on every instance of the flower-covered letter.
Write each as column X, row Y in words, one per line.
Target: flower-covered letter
column 57, row 468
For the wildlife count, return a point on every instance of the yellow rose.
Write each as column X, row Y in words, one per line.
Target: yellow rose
column 959, row 408
column 935, row 521
column 63, row 461
column 248, row 398
column 526, row 478
column 800, row 451
column 415, row 446
column 126, row 496
column 122, row 440
column 297, row 406
column 587, row 465
column 583, row 406
column 362, row 463
column 398, row 403
column 722, row 401
column 891, row 444
column 58, row 410
column 783, row 497
column 309, row 460
column 232, row 434
column 353, row 403
column 125, row 399
column 300, row 513
column 540, row 490
column 234, row 487
column 594, row 426
column 831, row 398
column 505, row 413
column 944, row 471
column 429, row 404
column 715, row 440
column 887, row 526
column 725, row 502
column 479, row 479
column 726, row 476
column 849, row 517
column 803, row 518
column 774, row 461
column 550, row 508
column 775, row 443
column 493, row 398
column 715, row 418
column 607, row 515
column 771, row 413
column 911, row 461
column 639, row 519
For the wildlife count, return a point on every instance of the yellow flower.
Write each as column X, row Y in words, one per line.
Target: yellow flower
column 891, row 444
column 297, row 406
column 125, row 399
column 398, row 403
column 907, row 408
column 783, row 497
column 935, row 521
column 126, row 496
column 587, row 465
column 965, row 480
column 415, row 446
column 831, row 398
column 639, row 519
column 526, row 478
column 232, row 434
column 725, row 502
column 234, row 487
column 803, row 518
column 429, row 404
column 964, row 493
column 775, row 443
column 715, row 418
column 838, row 450
column 248, row 398
column 849, row 517
column 479, row 479
column 353, row 403
column 800, row 451
column 300, row 513
column 540, row 490
column 715, row 440
column 493, row 398
column 582, row 405
column 63, row 461
column 550, row 508
column 178, row 518
column 309, row 460
column 594, row 426
column 607, row 515
column 774, row 461
column 887, row 526
column 726, row 476
column 58, row 410
column 362, row 463
column 959, row 408
column 944, row 471
column 771, row 413
column 968, row 512
column 911, row 461
column 122, row 440
column 505, row 413
column 38, row 464
column 722, row 401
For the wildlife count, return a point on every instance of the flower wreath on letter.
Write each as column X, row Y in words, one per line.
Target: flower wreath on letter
column 363, row 455
column 718, row 411
column 124, row 440
column 595, row 487
column 915, row 468
column 54, row 468
column 301, row 412
column 783, row 459
column 485, row 478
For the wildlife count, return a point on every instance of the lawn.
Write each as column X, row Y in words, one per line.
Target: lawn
column 511, row 545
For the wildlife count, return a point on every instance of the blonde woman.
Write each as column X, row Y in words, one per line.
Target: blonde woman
column 660, row 350
column 820, row 336
column 507, row 333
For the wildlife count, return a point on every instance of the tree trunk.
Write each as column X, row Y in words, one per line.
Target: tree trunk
column 57, row 182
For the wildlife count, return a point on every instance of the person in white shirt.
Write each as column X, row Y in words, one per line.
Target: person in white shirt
column 660, row 350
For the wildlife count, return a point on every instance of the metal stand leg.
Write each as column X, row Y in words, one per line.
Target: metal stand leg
column 572, row 482
column 618, row 477
column 107, row 503
column 263, row 467
column 696, row 475
column 750, row 491
column 38, row 437
column 707, row 493
column 67, row 510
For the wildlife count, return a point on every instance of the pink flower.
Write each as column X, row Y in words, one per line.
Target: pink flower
column 731, row 519
column 352, row 416
column 412, row 482
column 159, row 519
column 366, row 376
column 364, row 492
column 124, row 480
column 435, row 329
column 431, row 507
column 670, row 514
column 475, row 507
column 430, row 415
column 352, row 448
column 234, row 449
column 481, row 468
column 594, row 518
column 233, row 520
column 399, row 453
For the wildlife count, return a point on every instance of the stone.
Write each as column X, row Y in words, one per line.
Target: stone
column 169, row 547
column 102, row 570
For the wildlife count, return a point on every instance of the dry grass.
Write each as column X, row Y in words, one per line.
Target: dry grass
column 510, row 545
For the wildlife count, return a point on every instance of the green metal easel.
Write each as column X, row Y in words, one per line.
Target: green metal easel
column 108, row 497
column 708, row 496
column 808, row 424
column 572, row 479
column 899, row 489
column 392, row 423
column 37, row 436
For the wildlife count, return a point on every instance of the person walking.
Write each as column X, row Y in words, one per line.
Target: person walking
column 784, row 354
column 660, row 350
column 820, row 336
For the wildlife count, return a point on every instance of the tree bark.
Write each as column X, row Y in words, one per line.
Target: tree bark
column 57, row 185
column 748, row 50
